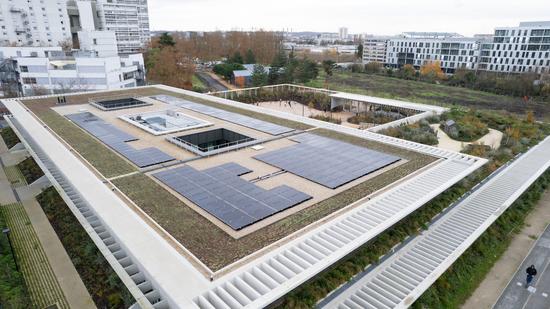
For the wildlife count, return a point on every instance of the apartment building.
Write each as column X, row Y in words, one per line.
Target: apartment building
column 33, row 22
column 51, row 22
column 128, row 19
column 450, row 50
column 521, row 49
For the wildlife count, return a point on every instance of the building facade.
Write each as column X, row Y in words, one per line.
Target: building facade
column 375, row 48
column 521, row 49
column 33, row 22
column 128, row 19
column 452, row 52
column 46, row 71
column 55, row 22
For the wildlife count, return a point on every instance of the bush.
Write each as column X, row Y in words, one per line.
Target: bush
column 326, row 119
column 9, row 137
column 13, row 291
column 103, row 284
column 420, row 132
column 377, row 117
column 30, row 170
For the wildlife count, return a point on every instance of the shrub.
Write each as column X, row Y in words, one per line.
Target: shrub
column 103, row 284
column 13, row 291
column 9, row 137
column 326, row 119
column 420, row 132
column 30, row 170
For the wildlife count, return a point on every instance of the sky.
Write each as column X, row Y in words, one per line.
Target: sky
column 466, row 17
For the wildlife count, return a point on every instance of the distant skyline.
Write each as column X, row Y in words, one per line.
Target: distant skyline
column 467, row 17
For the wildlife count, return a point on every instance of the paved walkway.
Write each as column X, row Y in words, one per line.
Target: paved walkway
column 496, row 280
column 493, row 139
column 535, row 296
column 49, row 268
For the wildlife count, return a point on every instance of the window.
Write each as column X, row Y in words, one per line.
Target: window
column 95, row 41
column 29, row 80
column 24, row 68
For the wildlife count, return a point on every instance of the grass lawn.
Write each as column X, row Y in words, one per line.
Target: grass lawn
column 198, row 84
column 422, row 92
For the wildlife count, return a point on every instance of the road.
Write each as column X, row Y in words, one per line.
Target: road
column 211, row 82
column 536, row 296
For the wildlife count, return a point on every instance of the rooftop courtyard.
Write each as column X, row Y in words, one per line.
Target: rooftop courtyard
column 224, row 183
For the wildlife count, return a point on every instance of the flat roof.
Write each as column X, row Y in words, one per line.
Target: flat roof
column 171, row 266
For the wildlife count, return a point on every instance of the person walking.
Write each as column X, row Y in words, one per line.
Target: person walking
column 531, row 273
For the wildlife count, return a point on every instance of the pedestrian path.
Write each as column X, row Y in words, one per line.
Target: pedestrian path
column 536, row 296
column 43, row 287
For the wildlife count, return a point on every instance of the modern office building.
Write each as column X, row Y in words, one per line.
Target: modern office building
column 375, row 48
column 521, row 49
column 451, row 52
column 33, row 22
column 37, row 70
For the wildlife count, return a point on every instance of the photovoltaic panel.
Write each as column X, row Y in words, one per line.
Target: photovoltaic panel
column 222, row 193
column 327, row 161
column 117, row 140
column 245, row 121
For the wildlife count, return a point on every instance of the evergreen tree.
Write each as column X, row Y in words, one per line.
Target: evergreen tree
column 166, row 40
column 236, row 58
column 250, row 57
column 259, row 76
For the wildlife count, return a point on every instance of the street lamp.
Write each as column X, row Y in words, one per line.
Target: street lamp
column 6, row 232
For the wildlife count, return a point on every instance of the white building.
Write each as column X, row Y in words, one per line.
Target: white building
column 33, row 22
column 128, row 19
column 30, row 70
column 50, row 22
column 518, row 49
column 375, row 48
column 343, row 33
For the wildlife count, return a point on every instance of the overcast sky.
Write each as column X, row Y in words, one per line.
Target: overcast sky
column 466, row 17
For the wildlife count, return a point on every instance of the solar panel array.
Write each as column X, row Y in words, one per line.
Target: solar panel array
column 327, row 161
column 222, row 193
column 245, row 121
column 117, row 139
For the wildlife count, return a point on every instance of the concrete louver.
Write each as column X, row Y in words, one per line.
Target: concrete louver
column 271, row 277
column 140, row 283
column 401, row 279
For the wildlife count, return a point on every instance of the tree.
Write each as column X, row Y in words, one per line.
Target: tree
column 305, row 71
column 431, row 71
column 259, row 76
column 328, row 67
column 359, row 53
column 250, row 57
column 463, row 77
column 66, row 45
column 407, row 72
column 226, row 69
column 373, row 67
column 171, row 67
column 166, row 40
column 236, row 58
